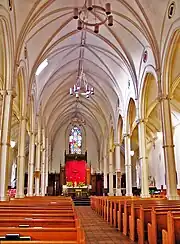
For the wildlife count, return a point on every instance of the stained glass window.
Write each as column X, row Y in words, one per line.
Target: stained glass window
column 75, row 141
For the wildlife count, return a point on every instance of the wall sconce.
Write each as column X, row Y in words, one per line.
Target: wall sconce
column 132, row 153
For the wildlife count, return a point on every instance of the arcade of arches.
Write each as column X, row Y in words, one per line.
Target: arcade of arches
column 130, row 127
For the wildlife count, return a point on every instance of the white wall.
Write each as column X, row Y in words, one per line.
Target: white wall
column 59, row 147
column 156, row 163
column 92, row 148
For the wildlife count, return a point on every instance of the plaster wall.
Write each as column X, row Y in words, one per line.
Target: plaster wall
column 156, row 163
column 60, row 144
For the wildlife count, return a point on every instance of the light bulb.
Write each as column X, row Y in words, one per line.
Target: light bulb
column 110, row 20
column 89, row 5
column 79, row 27
column 108, row 8
column 96, row 29
column 75, row 13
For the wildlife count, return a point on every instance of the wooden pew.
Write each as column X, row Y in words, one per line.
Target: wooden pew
column 44, row 234
column 159, row 222
column 37, row 215
column 128, row 215
column 40, row 242
column 147, row 221
column 49, row 220
column 172, row 233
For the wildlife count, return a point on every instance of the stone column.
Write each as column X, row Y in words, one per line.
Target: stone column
column 21, row 159
column 43, row 163
column 31, row 164
column 143, row 159
column 47, row 166
column 105, row 173
column 168, row 147
column 128, row 167
column 5, row 141
column 118, row 169
column 111, row 193
column 38, row 159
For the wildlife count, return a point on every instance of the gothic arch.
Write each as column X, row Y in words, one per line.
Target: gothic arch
column 131, row 116
column 120, row 129
column 67, row 133
column 171, row 75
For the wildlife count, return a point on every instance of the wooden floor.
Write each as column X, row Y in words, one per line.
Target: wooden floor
column 97, row 230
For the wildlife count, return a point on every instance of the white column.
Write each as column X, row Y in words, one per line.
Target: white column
column 5, row 141
column 168, row 147
column 21, row 159
column 105, row 172
column 111, row 193
column 38, row 159
column 50, row 157
column 118, row 169
column 143, row 159
column 43, row 164
column 128, row 168
column 47, row 166
column 31, row 164
column 178, row 179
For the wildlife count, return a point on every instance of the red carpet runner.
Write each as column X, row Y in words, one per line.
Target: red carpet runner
column 97, row 230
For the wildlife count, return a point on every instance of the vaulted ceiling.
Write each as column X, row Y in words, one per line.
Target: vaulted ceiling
column 111, row 60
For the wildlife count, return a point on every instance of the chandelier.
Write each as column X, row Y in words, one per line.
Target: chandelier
column 93, row 16
column 78, row 121
column 82, row 87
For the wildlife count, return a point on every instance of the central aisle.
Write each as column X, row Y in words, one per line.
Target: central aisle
column 97, row 230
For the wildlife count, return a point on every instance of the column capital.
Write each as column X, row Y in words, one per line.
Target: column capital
column 23, row 118
column 11, row 93
column 126, row 135
column 117, row 144
column 164, row 97
column 144, row 121
column 164, row 146
column 3, row 92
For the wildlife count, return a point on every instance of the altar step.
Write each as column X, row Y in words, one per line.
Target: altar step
column 82, row 201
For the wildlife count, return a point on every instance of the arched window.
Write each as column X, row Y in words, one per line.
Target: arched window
column 75, row 141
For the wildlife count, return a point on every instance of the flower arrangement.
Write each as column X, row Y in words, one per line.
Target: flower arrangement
column 69, row 184
column 81, row 184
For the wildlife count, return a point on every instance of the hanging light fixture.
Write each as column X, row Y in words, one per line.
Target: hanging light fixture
column 93, row 15
column 81, row 87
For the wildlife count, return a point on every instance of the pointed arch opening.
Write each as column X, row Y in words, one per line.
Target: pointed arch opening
column 75, row 140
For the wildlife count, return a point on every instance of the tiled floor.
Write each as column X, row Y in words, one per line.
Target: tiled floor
column 97, row 230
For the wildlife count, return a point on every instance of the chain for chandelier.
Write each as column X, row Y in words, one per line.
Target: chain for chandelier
column 93, row 15
column 77, row 120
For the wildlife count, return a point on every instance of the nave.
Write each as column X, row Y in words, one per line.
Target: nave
column 90, row 109
column 97, row 230
column 117, row 219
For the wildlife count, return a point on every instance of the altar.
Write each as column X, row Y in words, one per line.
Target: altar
column 76, row 192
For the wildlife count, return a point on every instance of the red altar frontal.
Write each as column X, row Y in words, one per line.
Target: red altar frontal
column 75, row 171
